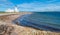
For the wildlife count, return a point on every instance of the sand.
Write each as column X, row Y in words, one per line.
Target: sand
column 20, row 30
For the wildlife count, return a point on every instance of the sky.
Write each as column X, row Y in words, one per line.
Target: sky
column 31, row 5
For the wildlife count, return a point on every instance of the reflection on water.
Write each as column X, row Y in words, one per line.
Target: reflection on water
column 42, row 20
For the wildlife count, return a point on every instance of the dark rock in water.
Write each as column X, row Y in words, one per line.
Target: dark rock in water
column 40, row 21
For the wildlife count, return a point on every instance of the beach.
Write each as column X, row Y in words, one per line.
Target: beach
column 7, row 19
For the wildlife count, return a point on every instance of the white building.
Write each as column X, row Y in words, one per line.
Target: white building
column 9, row 10
column 12, row 10
column 16, row 9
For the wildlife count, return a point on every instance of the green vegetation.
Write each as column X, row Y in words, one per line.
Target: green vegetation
column 2, row 12
column 6, row 12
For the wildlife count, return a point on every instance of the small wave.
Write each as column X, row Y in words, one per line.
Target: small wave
column 34, row 21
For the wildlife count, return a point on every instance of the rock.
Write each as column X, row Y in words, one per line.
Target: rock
column 6, row 30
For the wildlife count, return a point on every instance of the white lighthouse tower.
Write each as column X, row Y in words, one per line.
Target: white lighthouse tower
column 16, row 9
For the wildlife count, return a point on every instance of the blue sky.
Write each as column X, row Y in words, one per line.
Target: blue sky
column 31, row 5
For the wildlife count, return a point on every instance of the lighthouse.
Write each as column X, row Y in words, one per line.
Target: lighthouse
column 16, row 9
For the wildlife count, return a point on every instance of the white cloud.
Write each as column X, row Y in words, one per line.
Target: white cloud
column 39, row 7
column 5, row 4
column 34, row 6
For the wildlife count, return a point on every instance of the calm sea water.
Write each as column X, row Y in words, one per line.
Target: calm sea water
column 41, row 20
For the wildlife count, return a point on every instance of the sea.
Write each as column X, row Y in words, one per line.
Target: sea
column 49, row 21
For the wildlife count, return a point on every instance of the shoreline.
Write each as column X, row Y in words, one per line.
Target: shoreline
column 9, row 18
